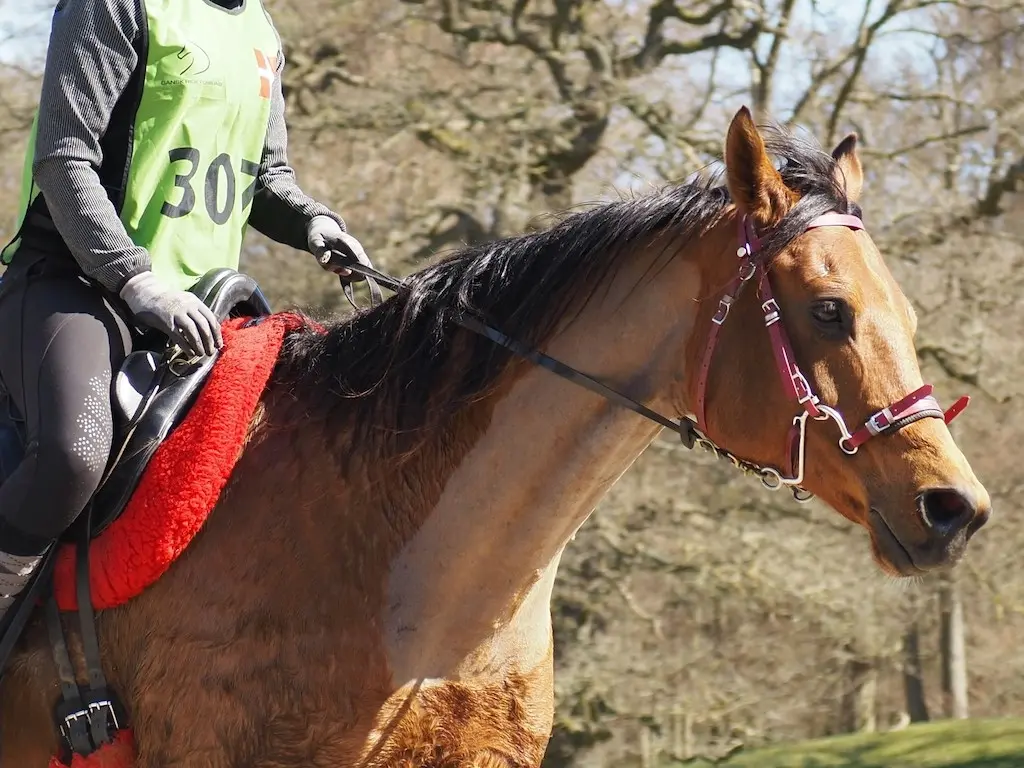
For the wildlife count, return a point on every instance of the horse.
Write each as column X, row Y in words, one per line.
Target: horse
column 373, row 586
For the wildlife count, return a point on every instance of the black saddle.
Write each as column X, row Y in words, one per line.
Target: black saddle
column 154, row 390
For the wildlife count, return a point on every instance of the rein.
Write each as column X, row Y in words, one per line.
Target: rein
column 919, row 404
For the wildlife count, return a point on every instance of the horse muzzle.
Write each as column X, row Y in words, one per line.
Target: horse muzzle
column 943, row 521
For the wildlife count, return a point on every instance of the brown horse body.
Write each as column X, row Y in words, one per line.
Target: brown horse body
column 374, row 586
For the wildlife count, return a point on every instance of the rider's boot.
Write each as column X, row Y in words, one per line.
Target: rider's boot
column 15, row 574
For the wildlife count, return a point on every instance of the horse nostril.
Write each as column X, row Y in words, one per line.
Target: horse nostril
column 945, row 511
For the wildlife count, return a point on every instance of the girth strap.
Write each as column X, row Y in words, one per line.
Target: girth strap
column 86, row 718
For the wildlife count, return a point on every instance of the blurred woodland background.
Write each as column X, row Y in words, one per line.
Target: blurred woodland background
column 695, row 611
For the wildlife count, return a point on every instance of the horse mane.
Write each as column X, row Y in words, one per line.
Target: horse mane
column 402, row 369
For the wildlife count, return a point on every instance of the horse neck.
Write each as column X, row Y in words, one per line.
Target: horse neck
column 468, row 593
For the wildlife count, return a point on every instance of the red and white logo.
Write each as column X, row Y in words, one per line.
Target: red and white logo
column 266, row 65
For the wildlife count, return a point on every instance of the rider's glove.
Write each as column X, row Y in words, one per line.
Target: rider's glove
column 325, row 237
column 179, row 314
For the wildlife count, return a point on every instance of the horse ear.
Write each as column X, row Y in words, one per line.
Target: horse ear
column 753, row 182
column 849, row 172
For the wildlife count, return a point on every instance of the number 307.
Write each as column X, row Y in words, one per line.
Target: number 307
column 219, row 167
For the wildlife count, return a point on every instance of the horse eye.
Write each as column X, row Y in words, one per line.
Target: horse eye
column 827, row 312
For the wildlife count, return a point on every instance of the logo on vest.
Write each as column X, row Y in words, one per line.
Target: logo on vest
column 194, row 60
column 266, row 65
column 185, row 66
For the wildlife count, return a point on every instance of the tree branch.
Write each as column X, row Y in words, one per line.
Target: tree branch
column 926, row 141
column 765, row 82
column 651, row 51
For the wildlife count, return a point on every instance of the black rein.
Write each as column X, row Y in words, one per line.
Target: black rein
column 685, row 428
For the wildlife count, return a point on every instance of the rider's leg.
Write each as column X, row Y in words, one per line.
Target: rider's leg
column 60, row 343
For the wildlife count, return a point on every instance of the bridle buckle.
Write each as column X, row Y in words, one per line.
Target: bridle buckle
column 880, row 421
column 803, row 388
column 724, row 304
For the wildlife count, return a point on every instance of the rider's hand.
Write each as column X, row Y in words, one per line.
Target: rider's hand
column 325, row 236
column 179, row 314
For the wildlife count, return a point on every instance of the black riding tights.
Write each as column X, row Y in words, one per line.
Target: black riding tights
column 60, row 342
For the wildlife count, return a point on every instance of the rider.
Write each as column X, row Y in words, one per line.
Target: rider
column 160, row 135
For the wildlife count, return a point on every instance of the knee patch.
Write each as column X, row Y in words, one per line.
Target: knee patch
column 68, row 474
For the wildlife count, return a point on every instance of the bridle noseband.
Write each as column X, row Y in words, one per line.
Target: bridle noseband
column 919, row 404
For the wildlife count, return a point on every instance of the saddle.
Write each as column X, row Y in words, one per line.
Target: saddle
column 153, row 391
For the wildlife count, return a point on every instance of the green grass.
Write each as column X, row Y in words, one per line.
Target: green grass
column 945, row 744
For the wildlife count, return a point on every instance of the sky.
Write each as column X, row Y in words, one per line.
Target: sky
column 17, row 18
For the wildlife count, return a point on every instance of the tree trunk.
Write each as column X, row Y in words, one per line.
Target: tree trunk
column 859, row 698
column 646, row 759
column 952, row 648
column 913, row 684
column 682, row 733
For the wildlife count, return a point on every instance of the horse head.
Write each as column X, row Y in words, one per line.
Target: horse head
column 805, row 368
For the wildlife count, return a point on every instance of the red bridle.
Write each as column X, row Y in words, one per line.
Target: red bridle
column 919, row 404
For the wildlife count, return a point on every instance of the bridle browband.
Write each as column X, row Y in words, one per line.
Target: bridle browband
column 919, row 404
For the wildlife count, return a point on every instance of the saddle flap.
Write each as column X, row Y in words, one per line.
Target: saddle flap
column 133, row 381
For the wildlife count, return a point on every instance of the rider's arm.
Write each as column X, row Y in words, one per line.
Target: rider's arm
column 280, row 209
column 89, row 62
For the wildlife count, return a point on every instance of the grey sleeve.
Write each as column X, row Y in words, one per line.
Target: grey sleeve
column 280, row 209
column 89, row 62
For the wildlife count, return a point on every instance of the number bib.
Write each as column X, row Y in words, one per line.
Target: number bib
column 199, row 134
column 196, row 131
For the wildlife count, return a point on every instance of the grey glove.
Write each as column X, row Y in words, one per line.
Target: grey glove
column 325, row 236
column 179, row 314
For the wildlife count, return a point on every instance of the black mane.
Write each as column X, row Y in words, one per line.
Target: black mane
column 401, row 367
